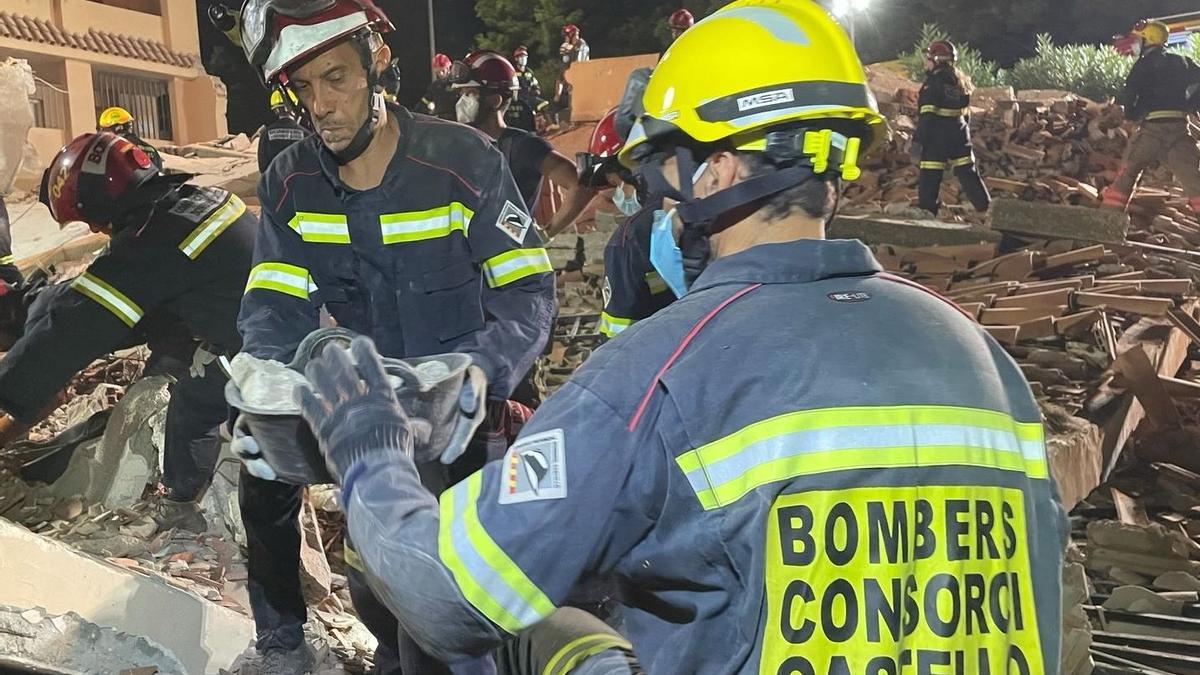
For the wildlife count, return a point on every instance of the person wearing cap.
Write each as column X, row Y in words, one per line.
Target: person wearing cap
column 404, row 228
column 804, row 465
column 283, row 132
column 118, row 121
column 171, row 276
column 1159, row 94
column 439, row 98
column 943, row 137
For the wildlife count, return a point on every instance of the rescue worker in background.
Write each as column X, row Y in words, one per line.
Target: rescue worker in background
column 440, row 98
column 943, row 137
column 283, row 132
column 226, row 20
column 530, row 90
column 630, row 108
column 487, row 86
column 177, row 254
column 781, row 467
column 1156, row 95
column 9, row 273
column 633, row 289
column 404, row 228
column 391, row 81
column 573, row 48
column 120, row 122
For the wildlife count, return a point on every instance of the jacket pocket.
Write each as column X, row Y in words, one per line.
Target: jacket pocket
column 450, row 301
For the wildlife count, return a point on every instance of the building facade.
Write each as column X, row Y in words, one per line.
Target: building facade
column 87, row 55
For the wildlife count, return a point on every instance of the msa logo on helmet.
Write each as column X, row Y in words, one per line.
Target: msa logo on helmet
column 854, row 296
column 764, row 99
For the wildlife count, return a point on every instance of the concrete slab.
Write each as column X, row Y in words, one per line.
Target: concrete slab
column 1056, row 221
column 1075, row 460
column 599, row 83
column 39, row 572
column 884, row 229
column 16, row 117
column 30, row 638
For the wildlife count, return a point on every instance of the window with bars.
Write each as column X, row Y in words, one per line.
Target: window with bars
column 146, row 99
column 49, row 106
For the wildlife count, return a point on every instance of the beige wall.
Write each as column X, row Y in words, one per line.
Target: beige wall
column 80, row 15
column 81, row 99
column 41, row 9
column 179, row 26
column 47, row 143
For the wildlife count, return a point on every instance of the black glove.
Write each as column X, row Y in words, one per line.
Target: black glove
column 352, row 408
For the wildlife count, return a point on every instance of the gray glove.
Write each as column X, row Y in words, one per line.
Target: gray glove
column 444, row 396
column 352, row 409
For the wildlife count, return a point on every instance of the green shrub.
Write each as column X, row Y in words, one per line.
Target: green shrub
column 1096, row 72
column 983, row 73
column 1191, row 49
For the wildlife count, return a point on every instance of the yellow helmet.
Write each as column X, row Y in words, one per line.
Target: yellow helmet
column 277, row 97
column 751, row 66
column 1152, row 32
column 114, row 116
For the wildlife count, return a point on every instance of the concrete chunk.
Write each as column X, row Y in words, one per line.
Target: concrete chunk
column 39, row 572
column 884, row 229
column 1055, row 221
column 32, row 639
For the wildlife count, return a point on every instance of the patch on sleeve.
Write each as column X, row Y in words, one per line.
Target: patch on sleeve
column 606, row 291
column 200, row 203
column 514, row 222
column 535, row 469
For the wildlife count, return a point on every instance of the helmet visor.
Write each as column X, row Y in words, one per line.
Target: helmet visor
column 256, row 18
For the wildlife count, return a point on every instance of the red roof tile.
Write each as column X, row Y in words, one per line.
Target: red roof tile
column 30, row 29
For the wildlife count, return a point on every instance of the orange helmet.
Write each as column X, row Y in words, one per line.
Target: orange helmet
column 91, row 176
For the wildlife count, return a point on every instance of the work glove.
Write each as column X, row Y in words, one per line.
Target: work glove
column 246, row 449
column 200, row 360
column 352, row 409
column 442, row 416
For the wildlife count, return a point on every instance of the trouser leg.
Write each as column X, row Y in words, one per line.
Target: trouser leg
column 1142, row 151
column 270, row 513
column 1183, row 159
column 568, row 636
column 196, row 409
column 972, row 185
column 929, row 185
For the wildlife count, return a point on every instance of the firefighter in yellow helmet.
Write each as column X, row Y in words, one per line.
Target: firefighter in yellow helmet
column 283, row 132
column 118, row 120
column 784, row 466
column 1158, row 94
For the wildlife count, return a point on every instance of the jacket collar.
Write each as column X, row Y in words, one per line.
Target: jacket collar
column 792, row 262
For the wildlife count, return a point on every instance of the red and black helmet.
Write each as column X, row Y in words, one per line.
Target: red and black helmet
column 440, row 61
column 277, row 34
column 601, row 157
column 486, row 70
column 521, row 51
column 681, row 20
column 570, row 31
column 605, row 141
column 942, row 50
column 91, row 176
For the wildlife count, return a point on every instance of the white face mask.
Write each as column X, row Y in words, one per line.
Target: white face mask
column 467, row 109
column 522, row 61
column 1137, row 49
column 626, row 204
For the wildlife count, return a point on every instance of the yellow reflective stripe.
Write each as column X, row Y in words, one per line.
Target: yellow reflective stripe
column 110, row 298
column 962, row 161
column 212, row 227
column 1166, row 115
column 565, row 659
column 612, row 325
column 351, row 557
column 933, row 165
column 656, row 283
column 943, row 112
column 281, row 278
column 398, row 228
column 321, row 228
column 821, row 441
column 487, row 577
column 6, row 260
column 515, row 265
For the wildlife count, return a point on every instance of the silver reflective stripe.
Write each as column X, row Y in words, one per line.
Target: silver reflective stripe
column 483, row 574
column 832, row 439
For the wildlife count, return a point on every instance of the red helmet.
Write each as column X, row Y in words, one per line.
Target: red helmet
column 521, row 51
column 681, row 19
column 441, row 61
column 486, row 70
column 605, row 141
column 91, row 175
column 279, row 33
column 942, row 50
column 570, row 31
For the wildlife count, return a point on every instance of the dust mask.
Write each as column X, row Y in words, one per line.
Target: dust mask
column 467, row 109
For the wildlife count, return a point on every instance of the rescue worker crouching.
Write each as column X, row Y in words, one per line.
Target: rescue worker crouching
column 805, row 465
column 633, row 289
column 1156, row 95
column 943, row 133
column 487, row 85
column 179, row 254
column 118, row 121
column 404, row 228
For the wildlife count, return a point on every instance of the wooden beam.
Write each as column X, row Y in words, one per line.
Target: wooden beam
column 1134, row 304
column 1005, row 335
column 1142, row 378
column 1052, row 298
column 1013, row 316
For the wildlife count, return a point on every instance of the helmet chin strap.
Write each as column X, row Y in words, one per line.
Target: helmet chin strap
column 362, row 138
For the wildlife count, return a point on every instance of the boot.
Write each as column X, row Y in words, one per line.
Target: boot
column 169, row 514
column 278, row 661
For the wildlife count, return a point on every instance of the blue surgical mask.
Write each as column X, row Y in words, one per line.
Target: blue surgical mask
column 627, row 205
column 665, row 255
